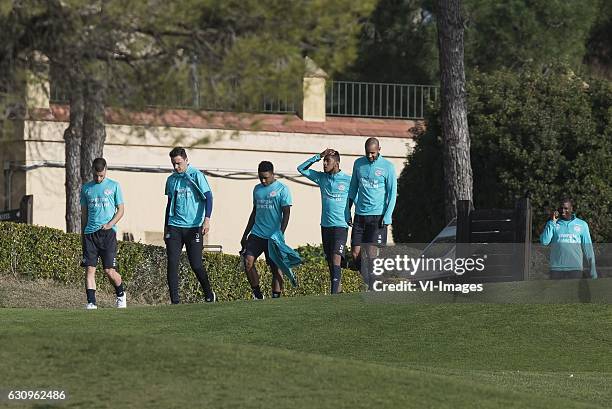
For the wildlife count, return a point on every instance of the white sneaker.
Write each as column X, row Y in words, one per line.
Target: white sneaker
column 91, row 306
column 121, row 301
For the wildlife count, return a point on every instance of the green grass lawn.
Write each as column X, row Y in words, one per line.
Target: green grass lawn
column 345, row 351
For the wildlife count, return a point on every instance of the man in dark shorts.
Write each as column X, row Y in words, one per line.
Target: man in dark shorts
column 101, row 209
column 271, row 211
column 335, row 215
column 188, row 213
column 374, row 186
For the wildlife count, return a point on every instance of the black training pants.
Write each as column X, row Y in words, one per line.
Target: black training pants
column 192, row 238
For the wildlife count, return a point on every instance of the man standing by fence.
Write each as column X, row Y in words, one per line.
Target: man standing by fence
column 570, row 240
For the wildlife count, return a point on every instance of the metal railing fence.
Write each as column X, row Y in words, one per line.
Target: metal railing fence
column 378, row 100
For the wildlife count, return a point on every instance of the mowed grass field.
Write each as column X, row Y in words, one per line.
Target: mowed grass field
column 346, row 351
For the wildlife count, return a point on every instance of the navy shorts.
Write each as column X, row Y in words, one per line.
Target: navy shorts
column 367, row 230
column 257, row 245
column 101, row 244
column 334, row 241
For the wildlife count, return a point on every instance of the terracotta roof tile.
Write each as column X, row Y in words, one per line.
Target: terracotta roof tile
column 400, row 128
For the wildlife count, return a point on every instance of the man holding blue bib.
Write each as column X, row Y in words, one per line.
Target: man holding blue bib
column 188, row 214
column 570, row 240
column 271, row 211
column 101, row 209
column 374, row 192
column 335, row 215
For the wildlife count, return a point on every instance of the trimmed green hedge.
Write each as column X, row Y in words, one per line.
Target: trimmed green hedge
column 35, row 252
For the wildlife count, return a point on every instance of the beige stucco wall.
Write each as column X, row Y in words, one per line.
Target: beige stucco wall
column 225, row 152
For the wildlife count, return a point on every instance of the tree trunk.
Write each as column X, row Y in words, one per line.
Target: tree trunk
column 94, row 133
column 457, row 166
column 72, row 139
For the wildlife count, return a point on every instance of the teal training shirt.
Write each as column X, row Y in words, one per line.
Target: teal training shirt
column 375, row 186
column 101, row 200
column 569, row 240
column 269, row 202
column 334, row 194
column 187, row 202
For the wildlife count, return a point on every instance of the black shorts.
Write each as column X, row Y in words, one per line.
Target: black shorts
column 103, row 244
column 367, row 230
column 334, row 241
column 257, row 245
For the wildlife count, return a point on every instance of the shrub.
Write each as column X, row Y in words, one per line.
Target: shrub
column 419, row 211
column 35, row 252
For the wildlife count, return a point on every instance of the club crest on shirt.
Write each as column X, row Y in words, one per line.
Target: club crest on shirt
column 273, row 193
column 378, row 172
column 108, row 192
column 577, row 229
column 341, row 187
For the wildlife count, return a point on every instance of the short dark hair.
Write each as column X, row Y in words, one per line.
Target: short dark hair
column 334, row 154
column 265, row 166
column 98, row 164
column 567, row 200
column 372, row 141
column 178, row 151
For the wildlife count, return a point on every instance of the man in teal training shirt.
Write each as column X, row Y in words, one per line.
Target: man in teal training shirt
column 271, row 210
column 187, row 221
column 335, row 215
column 101, row 209
column 374, row 192
column 570, row 239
